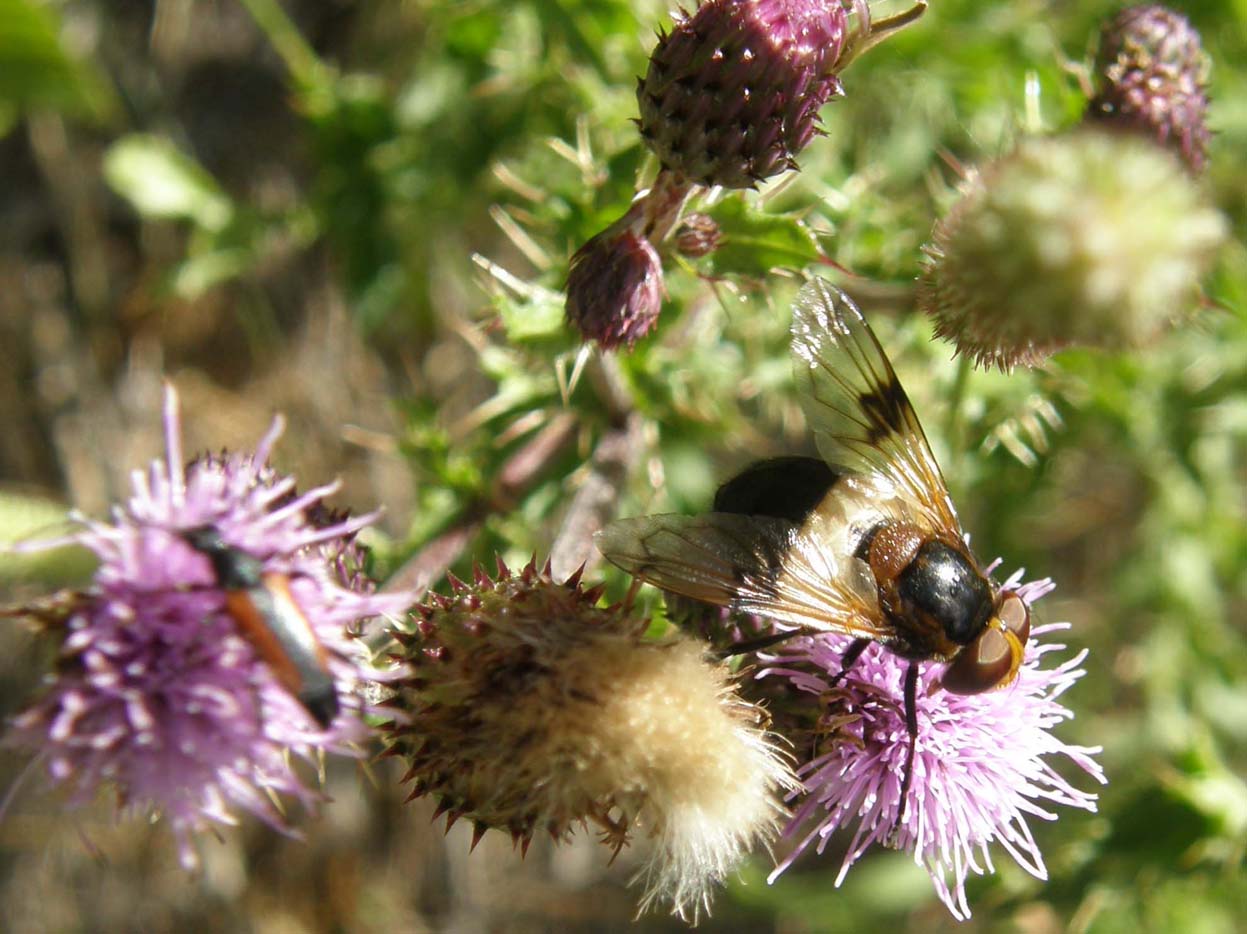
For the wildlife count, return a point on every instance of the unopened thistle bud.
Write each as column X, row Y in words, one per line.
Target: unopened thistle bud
column 698, row 235
column 733, row 92
column 1150, row 75
column 731, row 96
column 531, row 709
column 614, row 284
column 1091, row 238
column 615, row 289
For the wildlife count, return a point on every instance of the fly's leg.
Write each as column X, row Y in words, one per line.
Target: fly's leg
column 911, row 728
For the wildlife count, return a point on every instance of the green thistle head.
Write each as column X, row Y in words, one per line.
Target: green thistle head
column 1090, row 238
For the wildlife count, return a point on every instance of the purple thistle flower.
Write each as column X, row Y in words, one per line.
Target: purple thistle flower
column 157, row 692
column 979, row 768
column 732, row 93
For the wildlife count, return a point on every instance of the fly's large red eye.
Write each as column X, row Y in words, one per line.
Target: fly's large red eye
column 1015, row 616
column 992, row 660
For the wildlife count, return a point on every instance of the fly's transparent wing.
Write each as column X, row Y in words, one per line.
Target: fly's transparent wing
column 767, row 566
column 860, row 416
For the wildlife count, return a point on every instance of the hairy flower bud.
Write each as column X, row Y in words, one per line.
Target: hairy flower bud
column 1091, row 238
column 732, row 93
column 698, row 235
column 614, row 283
column 614, row 288
column 529, row 708
column 1150, row 75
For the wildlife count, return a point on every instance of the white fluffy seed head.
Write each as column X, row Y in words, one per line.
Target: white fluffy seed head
column 675, row 728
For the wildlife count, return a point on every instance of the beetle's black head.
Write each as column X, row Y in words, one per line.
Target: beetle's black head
column 234, row 568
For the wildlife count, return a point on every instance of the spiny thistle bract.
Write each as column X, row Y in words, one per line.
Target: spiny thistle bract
column 531, row 709
column 1150, row 75
column 1092, row 238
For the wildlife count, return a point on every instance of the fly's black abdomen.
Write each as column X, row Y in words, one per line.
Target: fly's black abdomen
column 782, row 488
column 941, row 584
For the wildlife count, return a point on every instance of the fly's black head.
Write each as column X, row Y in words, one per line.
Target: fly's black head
column 942, row 585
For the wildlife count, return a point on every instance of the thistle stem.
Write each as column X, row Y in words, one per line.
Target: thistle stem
column 304, row 65
column 954, row 423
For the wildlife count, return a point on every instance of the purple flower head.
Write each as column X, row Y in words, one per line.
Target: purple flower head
column 732, row 93
column 1151, row 74
column 160, row 690
column 979, row 770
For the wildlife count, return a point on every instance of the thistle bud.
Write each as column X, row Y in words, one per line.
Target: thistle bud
column 733, row 92
column 530, row 709
column 615, row 289
column 1150, row 76
column 615, row 282
column 1091, row 238
column 698, row 235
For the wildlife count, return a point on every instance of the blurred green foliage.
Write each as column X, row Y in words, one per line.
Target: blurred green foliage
column 448, row 182
column 37, row 69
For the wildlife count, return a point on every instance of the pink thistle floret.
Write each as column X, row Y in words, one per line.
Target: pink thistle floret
column 979, row 766
column 156, row 692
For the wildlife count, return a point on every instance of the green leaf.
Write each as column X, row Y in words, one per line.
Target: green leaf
column 36, row 71
column 537, row 318
column 163, row 182
column 28, row 518
column 754, row 243
column 203, row 271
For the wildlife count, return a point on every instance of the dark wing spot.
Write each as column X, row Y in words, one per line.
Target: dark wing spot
column 885, row 407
